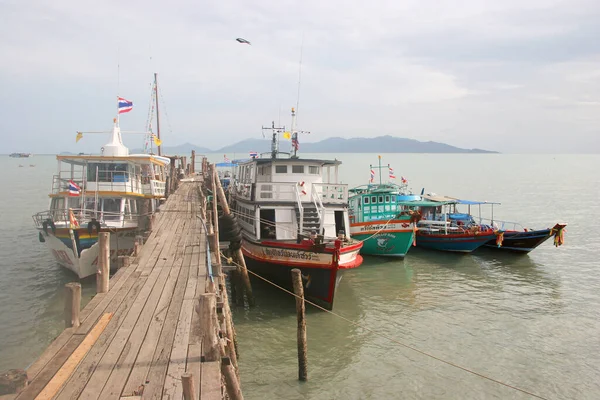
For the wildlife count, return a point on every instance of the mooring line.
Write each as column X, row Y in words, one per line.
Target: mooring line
column 391, row 338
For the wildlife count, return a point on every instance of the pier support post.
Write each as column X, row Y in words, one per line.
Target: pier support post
column 300, row 309
column 124, row 261
column 218, row 189
column 207, row 310
column 72, row 304
column 103, row 271
column 193, row 163
column 232, row 384
column 189, row 391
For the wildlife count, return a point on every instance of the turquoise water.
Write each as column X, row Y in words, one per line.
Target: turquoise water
column 531, row 321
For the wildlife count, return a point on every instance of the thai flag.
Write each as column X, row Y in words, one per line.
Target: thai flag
column 74, row 189
column 253, row 154
column 372, row 176
column 225, row 159
column 125, row 105
column 404, row 180
column 392, row 176
column 295, row 143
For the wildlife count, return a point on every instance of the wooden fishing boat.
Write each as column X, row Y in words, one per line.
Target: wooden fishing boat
column 524, row 241
column 378, row 220
column 291, row 218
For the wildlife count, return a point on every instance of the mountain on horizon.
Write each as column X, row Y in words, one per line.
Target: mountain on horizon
column 380, row 144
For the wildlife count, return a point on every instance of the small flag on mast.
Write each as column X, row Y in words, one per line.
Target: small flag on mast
column 287, row 135
column 74, row 189
column 125, row 105
column 392, row 176
column 372, row 176
column 78, row 137
column 253, row 154
column 295, row 143
column 404, row 180
column 225, row 159
column 156, row 140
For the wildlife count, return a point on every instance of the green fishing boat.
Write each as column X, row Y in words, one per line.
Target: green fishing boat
column 378, row 219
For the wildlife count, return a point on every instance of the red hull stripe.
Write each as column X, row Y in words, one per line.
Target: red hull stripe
column 307, row 246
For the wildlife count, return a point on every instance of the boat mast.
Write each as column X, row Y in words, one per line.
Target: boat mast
column 157, row 116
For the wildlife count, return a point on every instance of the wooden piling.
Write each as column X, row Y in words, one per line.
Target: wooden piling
column 232, row 384
column 103, row 271
column 193, row 163
column 72, row 304
column 189, row 391
column 300, row 310
column 240, row 256
column 207, row 310
column 124, row 261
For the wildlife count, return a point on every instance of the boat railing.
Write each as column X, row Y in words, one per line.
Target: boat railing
column 275, row 191
column 62, row 218
column 300, row 209
column 336, row 193
column 318, row 203
column 502, row 225
column 111, row 181
column 452, row 229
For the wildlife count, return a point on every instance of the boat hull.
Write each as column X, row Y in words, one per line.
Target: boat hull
column 320, row 267
column 79, row 253
column 459, row 243
column 521, row 242
column 393, row 239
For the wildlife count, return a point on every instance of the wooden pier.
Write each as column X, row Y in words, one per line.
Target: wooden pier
column 161, row 330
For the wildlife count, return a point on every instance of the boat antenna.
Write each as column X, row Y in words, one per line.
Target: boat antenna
column 157, row 116
column 299, row 74
column 118, row 80
column 275, row 138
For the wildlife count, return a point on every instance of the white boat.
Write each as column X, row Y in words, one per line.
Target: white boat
column 113, row 191
column 292, row 218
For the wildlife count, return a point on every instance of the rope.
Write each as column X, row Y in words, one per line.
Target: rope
column 470, row 371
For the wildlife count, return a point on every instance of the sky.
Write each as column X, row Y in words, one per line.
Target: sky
column 512, row 76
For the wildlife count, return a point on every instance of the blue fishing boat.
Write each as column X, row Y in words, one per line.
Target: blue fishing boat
column 442, row 227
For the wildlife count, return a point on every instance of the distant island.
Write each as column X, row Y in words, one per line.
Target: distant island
column 380, row 144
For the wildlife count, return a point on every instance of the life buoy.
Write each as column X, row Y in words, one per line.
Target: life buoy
column 302, row 190
column 93, row 223
column 49, row 223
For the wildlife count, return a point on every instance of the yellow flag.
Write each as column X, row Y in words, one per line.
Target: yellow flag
column 78, row 137
column 157, row 141
column 287, row 135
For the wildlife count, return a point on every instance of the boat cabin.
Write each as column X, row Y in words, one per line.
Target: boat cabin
column 113, row 188
column 282, row 198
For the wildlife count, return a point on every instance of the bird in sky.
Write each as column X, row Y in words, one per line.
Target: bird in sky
column 244, row 41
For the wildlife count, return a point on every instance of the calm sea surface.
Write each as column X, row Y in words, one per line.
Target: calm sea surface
column 531, row 321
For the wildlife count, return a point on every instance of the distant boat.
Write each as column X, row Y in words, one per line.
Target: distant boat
column 20, row 155
column 32, row 165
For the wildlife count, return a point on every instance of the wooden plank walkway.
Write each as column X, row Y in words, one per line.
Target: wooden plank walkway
column 136, row 340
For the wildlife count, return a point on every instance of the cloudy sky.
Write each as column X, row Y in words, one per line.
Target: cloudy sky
column 514, row 76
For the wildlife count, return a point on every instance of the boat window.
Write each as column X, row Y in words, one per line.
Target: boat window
column 58, row 204
column 281, row 169
column 112, row 172
column 374, row 199
column 297, row 169
column 74, row 202
column 366, row 200
column 111, row 209
column 387, row 199
column 313, row 170
column 381, row 199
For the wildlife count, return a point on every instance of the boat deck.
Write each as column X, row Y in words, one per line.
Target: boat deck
column 136, row 340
